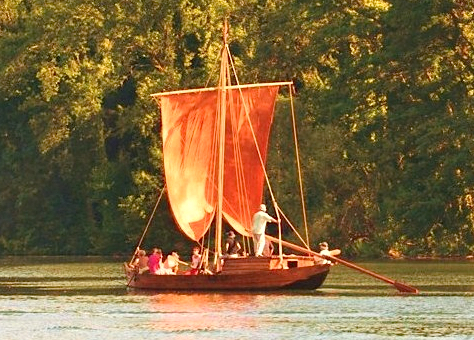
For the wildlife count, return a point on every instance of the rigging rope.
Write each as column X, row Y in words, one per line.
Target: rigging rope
column 294, row 229
column 147, row 225
column 300, row 180
column 243, row 205
column 253, row 134
column 259, row 153
column 277, row 209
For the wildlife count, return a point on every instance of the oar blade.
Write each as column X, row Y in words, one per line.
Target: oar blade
column 404, row 288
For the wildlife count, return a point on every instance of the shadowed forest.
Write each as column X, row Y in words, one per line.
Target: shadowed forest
column 384, row 102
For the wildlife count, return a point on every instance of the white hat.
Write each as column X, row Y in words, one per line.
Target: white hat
column 263, row 207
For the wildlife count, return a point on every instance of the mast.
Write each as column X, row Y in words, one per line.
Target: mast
column 224, row 70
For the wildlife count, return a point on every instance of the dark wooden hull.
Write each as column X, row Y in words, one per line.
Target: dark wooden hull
column 239, row 278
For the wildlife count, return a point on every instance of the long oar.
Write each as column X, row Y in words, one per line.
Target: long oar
column 402, row 287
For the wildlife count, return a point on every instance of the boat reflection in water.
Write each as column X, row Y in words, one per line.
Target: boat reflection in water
column 192, row 312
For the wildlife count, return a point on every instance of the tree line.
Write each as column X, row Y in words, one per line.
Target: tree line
column 384, row 103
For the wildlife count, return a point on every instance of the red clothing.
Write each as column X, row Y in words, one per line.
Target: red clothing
column 154, row 263
column 193, row 271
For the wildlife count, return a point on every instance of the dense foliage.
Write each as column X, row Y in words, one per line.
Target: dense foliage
column 384, row 103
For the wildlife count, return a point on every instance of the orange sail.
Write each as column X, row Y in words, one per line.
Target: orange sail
column 190, row 135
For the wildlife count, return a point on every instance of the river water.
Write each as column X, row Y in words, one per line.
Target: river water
column 85, row 298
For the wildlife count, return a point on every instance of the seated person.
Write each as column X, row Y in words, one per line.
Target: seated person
column 155, row 260
column 171, row 264
column 141, row 261
column 324, row 250
column 195, row 262
column 232, row 246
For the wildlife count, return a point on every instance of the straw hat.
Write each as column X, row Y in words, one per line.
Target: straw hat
column 324, row 245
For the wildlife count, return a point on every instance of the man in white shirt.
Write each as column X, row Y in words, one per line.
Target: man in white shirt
column 259, row 223
column 324, row 250
column 324, row 246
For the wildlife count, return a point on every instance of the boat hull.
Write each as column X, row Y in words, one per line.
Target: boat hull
column 307, row 277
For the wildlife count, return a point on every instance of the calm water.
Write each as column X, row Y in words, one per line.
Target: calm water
column 84, row 298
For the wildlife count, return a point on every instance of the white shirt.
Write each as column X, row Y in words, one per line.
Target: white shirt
column 325, row 252
column 259, row 222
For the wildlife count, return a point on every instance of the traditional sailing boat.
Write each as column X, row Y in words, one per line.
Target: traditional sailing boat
column 215, row 145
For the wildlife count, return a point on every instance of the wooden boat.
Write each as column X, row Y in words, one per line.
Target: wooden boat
column 215, row 146
column 245, row 273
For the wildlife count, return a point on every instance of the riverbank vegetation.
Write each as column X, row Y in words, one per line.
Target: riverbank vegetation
column 384, row 98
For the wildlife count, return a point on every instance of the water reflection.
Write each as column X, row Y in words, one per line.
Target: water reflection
column 193, row 312
column 86, row 299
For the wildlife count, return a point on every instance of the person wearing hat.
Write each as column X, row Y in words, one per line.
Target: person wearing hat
column 259, row 223
column 232, row 246
column 324, row 248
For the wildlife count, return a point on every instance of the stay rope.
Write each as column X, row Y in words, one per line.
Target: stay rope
column 147, row 225
column 300, row 177
column 277, row 209
column 262, row 163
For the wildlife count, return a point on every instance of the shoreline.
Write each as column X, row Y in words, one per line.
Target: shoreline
column 113, row 258
column 436, row 258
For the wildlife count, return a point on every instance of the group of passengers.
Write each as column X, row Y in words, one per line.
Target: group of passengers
column 156, row 264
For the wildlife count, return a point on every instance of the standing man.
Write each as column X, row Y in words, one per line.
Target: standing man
column 259, row 223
